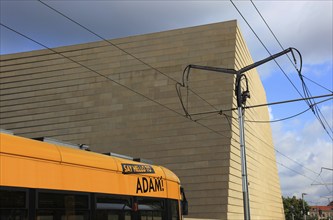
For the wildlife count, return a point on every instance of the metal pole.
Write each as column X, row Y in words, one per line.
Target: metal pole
column 304, row 214
column 240, row 101
column 243, row 164
column 246, row 203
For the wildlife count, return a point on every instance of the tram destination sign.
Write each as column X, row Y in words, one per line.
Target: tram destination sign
column 136, row 168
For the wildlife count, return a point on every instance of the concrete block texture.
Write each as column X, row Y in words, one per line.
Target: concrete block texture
column 127, row 103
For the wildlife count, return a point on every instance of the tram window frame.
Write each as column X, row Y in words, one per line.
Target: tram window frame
column 143, row 206
column 147, row 211
column 173, row 209
column 106, row 205
column 115, row 202
column 57, row 208
column 18, row 210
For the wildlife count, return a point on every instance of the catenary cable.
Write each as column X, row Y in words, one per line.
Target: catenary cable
column 88, row 68
column 289, row 117
column 256, row 136
column 317, row 112
column 317, row 84
column 306, row 92
column 110, row 79
column 262, row 17
column 119, row 48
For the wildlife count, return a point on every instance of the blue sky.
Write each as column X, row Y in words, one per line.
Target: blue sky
column 305, row 25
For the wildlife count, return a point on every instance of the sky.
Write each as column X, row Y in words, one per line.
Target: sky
column 302, row 146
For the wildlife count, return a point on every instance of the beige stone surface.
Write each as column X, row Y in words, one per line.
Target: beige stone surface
column 116, row 103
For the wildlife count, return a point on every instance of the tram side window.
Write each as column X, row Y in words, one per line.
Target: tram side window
column 62, row 206
column 174, row 209
column 13, row 204
column 151, row 209
column 113, row 207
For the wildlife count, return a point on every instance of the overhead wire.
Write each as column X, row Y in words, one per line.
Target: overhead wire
column 106, row 40
column 178, row 90
column 185, row 84
column 290, row 117
column 319, row 175
column 266, row 48
column 265, row 156
column 279, row 152
column 119, row 48
column 272, row 32
column 220, row 112
column 108, row 78
column 274, row 160
column 262, row 17
column 315, row 109
column 317, row 84
column 266, row 104
column 88, row 68
column 293, row 170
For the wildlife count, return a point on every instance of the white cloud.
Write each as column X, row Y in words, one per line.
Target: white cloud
column 311, row 148
column 306, row 25
column 271, row 116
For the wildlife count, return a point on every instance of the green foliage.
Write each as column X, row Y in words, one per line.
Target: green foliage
column 293, row 206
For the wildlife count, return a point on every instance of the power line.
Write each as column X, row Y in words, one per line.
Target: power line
column 294, row 171
column 220, row 112
column 251, row 149
column 315, row 110
column 279, row 152
column 317, row 84
column 112, row 44
column 110, row 79
column 321, row 170
column 99, row 36
column 278, row 120
column 290, row 117
column 288, row 101
column 256, row 136
column 262, row 17
column 267, row 104
column 271, row 31
column 88, row 68
column 119, row 48
column 106, row 40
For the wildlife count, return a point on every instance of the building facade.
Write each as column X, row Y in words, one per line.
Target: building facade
column 125, row 101
column 322, row 212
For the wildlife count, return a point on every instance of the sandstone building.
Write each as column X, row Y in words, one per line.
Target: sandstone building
column 98, row 95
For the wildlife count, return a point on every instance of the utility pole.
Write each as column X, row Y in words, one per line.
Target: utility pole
column 241, row 100
column 304, row 214
column 292, row 212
